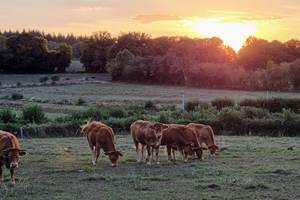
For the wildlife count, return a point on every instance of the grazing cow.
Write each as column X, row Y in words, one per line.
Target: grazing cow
column 147, row 134
column 205, row 134
column 100, row 136
column 182, row 138
column 9, row 154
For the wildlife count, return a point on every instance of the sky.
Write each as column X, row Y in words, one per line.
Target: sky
column 232, row 20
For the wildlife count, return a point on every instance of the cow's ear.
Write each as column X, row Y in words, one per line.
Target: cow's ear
column 120, row 153
column 164, row 126
column 22, row 152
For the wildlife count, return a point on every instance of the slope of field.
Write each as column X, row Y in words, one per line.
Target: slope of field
column 247, row 168
column 106, row 92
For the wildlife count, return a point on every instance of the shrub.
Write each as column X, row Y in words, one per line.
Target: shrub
column 254, row 113
column 193, row 104
column 117, row 112
column 220, row 103
column 17, row 96
column 33, row 114
column 230, row 119
column 55, row 78
column 80, row 102
column 149, row 105
column 44, row 79
column 273, row 104
column 7, row 116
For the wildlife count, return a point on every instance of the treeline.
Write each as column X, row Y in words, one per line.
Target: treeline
column 29, row 53
column 136, row 57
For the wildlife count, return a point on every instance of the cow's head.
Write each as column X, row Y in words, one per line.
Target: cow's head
column 158, row 129
column 84, row 126
column 213, row 148
column 113, row 157
column 12, row 157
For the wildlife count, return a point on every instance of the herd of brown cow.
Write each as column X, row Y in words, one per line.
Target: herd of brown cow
column 187, row 139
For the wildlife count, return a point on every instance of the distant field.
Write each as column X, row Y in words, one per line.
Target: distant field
column 106, row 92
column 247, row 168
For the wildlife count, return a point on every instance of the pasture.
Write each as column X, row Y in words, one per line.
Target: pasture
column 246, row 168
column 72, row 87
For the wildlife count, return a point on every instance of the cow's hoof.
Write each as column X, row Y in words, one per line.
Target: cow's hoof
column 13, row 183
column 114, row 165
column 94, row 163
column 148, row 163
column 157, row 163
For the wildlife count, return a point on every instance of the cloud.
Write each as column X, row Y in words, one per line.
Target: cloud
column 250, row 18
column 145, row 19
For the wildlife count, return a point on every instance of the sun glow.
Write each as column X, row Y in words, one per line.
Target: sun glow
column 233, row 34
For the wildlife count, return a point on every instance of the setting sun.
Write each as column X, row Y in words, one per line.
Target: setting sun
column 233, row 34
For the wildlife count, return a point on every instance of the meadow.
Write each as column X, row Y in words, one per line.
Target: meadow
column 103, row 91
column 246, row 168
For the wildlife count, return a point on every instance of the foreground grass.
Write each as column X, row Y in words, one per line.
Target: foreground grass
column 247, row 168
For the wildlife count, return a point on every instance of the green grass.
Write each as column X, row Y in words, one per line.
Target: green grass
column 247, row 168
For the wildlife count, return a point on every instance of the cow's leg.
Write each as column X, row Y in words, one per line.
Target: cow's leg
column 142, row 152
column 136, row 144
column 156, row 155
column 1, row 175
column 12, row 175
column 182, row 154
column 185, row 157
column 173, row 154
column 169, row 149
column 93, row 150
column 150, row 153
column 97, row 153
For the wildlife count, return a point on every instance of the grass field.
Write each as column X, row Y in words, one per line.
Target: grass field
column 246, row 168
column 106, row 92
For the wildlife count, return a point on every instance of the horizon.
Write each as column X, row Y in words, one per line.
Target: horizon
column 233, row 21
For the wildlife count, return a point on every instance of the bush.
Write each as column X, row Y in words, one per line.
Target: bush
column 230, row 119
column 33, row 114
column 117, row 112
column 44, row 79
column 80, row 102
column 273, row 104
column 55, row 78
column 149, row 105
column 254, row 113
column 220, row 103
column 7, row 116
column 193, row 104
column 17, row 96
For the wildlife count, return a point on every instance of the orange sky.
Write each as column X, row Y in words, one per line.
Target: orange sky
column 232, row 20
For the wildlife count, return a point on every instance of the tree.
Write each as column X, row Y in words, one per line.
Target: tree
column 3, row 43
column 94, row 54
column 294, row 72
column 117, row 65
column 137, row 43
column 64, row 57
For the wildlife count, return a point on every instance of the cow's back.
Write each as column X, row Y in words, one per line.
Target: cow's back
column 140, row 131
column 8, row 141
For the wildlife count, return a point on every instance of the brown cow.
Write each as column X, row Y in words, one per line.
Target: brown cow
column 149, row 134
column 101, row 136
column 205, row 134
column 9, row 154
column 182, row 138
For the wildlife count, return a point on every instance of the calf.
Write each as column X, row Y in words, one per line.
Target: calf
column 100, row 136
column 205, row 134
column 182, row 138
column 10, row 153
column 147, row 134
